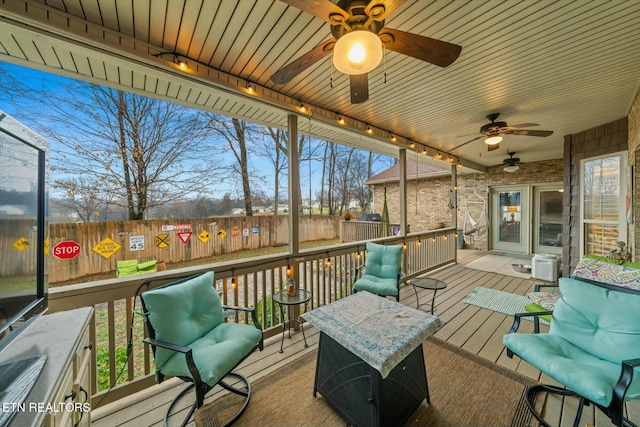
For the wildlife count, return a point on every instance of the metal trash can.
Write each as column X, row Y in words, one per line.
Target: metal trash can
column 460, row 232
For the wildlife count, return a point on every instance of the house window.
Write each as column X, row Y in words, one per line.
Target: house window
column 602, row 198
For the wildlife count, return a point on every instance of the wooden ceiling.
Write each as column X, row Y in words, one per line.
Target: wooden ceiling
column 565, row 65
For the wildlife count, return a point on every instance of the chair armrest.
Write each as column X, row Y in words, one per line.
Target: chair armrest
column 620, row 389
column 518, row 316
column 188, row 354
column 254, row 316
column 168, row 345
column 538, row 286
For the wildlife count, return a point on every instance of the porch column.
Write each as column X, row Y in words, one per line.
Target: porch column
column 294, row 183
column 454, row 205
column 403, row 192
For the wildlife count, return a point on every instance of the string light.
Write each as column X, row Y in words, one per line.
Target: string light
column 341, row 120
column 393, row 138
column 369, row 130
column 249, row 88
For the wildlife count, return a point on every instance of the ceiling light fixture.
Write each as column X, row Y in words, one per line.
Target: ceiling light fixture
column 393, row 138
column 340, row 120
column 511, row 168
column 493, row 140
column 357, row 52
column 369, row 130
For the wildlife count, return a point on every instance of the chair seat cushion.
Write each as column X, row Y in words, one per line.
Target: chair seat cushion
column 545, row 299
column 216, row 353
column 568, row 364
column 377, row 285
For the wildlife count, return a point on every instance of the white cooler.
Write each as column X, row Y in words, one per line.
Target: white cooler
column 545, row 267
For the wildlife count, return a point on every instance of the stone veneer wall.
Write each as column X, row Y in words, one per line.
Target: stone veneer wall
column 598, row 141
column 432, row 202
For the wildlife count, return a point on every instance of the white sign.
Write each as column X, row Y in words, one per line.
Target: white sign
column 136, row 243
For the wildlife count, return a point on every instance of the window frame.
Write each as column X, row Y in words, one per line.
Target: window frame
column 621, row 223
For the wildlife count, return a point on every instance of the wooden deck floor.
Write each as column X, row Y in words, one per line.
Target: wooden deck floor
column 475, row 329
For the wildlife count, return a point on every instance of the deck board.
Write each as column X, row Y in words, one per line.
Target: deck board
column 475, row 329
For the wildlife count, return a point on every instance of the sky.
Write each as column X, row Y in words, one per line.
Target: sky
column 310, row 172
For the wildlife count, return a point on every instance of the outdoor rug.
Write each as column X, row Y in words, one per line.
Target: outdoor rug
column 465, row 389
column 502, row 302
column 499, row 264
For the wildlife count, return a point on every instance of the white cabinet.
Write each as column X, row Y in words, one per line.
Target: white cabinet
column 61, row 395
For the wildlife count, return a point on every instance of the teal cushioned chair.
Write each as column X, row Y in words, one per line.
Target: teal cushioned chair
column 592, row 348
column 192, row 341
column 381, row 271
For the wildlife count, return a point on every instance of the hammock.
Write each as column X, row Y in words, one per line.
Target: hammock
column 473, row 227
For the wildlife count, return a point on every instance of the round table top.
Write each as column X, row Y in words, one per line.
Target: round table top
column 301, row 296
column 428, row 283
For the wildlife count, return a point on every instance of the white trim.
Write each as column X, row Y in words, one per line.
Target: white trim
column 622, row 220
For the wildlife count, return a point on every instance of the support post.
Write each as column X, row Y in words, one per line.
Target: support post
column 294, row 184
column 404, row 228
column 454, row 204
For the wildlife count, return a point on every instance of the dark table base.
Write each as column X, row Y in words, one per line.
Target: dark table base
column 360, row 394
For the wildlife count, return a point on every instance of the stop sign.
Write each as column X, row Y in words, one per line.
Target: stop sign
column 67, row 249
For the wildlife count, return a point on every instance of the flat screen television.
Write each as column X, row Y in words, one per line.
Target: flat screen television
column 23, row 227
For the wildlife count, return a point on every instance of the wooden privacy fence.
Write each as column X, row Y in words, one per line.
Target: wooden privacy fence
column 102, row 244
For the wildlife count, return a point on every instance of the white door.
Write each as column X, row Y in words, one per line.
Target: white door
column 510, row 219
column 547, row 226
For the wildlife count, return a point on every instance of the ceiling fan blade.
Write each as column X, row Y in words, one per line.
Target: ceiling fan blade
column 493, row 147
column 528, row 132
column 523, row 125
column 322, row 9
column 389, row 6
column 465, row 143
column 424, row 48
column 359, row 88
column 288, row 72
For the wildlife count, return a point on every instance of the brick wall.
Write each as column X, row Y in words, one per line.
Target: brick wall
column 431, row 203
column 598, row 141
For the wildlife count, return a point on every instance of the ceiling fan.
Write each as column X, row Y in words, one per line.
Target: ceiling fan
column 359, row 37
column 511, row 164
column 493, row 130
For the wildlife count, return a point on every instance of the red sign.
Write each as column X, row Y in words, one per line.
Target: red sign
column 235, row 231
column 67, row 249
column 185, row 236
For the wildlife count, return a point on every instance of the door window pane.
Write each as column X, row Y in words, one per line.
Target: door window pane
column 550, row 228
column 510, row 217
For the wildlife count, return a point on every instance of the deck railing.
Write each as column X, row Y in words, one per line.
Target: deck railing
column 327, row 272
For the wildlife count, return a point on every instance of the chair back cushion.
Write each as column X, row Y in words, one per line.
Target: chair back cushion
column 182, row 312
column 600, row 321
column 383, row 261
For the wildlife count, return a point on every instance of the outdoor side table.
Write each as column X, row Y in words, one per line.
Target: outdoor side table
column 302, row 296
column 427, row 283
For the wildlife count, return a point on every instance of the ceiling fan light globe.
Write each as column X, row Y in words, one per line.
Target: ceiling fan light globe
column 511, row 168
column 493, row 140
column 357, row 52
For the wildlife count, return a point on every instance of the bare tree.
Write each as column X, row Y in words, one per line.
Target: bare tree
column 82, row 196
column 148, row 152
column 236, row 133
